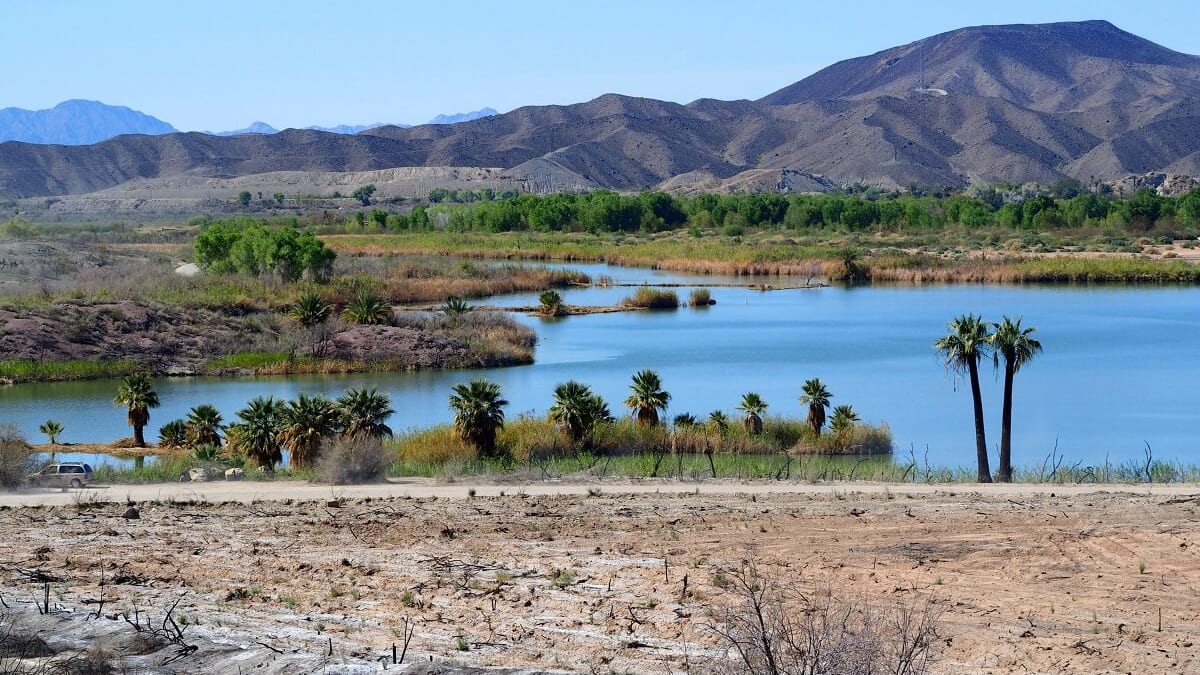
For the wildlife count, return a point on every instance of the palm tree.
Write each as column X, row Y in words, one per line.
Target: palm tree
column 478, row 414
column 137, row 394
column 718, row 422
column 307, row 422
column 368, row 308
column 173, row 434
column 204, row 426
column 961, row 349
column 816, row 396
column 647, row 397
column 364, row 411
column 310, row 310
column 257, row 435
column 842, row 424
column 52, row 430
column 685, row 420
column 754, row 406
column 1017, row 347
column 569, row 410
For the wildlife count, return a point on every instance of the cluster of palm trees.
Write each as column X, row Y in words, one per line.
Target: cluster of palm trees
column 970, row 339
column 478, row 408
column 266, row 426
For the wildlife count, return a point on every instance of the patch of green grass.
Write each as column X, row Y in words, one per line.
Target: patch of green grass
column 29, row 370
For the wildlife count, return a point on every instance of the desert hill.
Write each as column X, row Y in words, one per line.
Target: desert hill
column 993, row 103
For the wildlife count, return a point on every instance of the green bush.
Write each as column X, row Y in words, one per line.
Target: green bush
column 252, row 248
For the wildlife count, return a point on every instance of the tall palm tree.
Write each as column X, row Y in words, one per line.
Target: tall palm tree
column 754, row 406
column 961, row 349
column 257, row 434
column 478, row 414
column 307, row 422
column 365, row 411
column 816, row 396
column 137, row 394
column 1017, row 346
column 647, row 397
column 204, row 426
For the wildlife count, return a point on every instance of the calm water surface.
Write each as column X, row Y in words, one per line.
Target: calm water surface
column 1119, row 368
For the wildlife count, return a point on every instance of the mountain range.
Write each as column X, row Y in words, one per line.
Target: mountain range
column 1012, row 103
column 80, row 122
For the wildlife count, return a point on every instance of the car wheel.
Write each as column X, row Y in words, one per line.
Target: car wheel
column 76, row 483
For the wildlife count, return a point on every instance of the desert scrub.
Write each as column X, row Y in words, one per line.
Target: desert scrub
column 652, row 298
column 349, row 460
column 16, row 461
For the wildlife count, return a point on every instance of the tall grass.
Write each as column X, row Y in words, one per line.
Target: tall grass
column 700, row 297
column 29, row 370
column 652, row 298
column 940, row 260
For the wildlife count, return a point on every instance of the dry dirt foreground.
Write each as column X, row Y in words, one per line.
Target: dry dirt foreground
column 1031, row 578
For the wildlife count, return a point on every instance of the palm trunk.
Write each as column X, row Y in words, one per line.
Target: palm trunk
column 981, row 457
column 1006, row 425
column 139, row 438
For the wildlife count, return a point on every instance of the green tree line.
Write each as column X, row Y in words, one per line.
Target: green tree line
column 605, row 211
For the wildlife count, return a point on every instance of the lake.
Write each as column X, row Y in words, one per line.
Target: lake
column 1118, row 371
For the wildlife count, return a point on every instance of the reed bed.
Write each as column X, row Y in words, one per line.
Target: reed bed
column 17, row 371
column 652, row 298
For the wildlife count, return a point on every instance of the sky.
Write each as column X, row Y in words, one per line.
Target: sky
column 221, row 64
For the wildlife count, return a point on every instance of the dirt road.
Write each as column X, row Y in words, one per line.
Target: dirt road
column 256, row 491
column 633, row 578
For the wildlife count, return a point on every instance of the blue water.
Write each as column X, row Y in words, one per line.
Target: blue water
column 1117, row 372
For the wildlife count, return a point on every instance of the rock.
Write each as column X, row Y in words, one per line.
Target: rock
column 198, row 475
column 131, row 513
column 234, row 474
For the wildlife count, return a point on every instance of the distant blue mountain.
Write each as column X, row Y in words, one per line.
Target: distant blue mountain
column 264, row 128
column 76, row 122
column 254, row 128
column 79, row 122
column 463, row 117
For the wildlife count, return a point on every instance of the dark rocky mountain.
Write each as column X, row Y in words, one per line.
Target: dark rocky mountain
column 986, row 104
column 76, row 122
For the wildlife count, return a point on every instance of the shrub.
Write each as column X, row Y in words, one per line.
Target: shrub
column 652, row 298
column 368, row 308
column 700, row 297
column 774, row 627
column 348, row 460
column 551, row 304
column 16, row 460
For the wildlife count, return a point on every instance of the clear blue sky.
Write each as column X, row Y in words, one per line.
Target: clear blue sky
column 221, row 64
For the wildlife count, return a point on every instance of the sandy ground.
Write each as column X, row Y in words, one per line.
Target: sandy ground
column 549, row 578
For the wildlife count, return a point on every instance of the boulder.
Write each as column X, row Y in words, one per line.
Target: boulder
column 198, row 475
column 234, row 474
